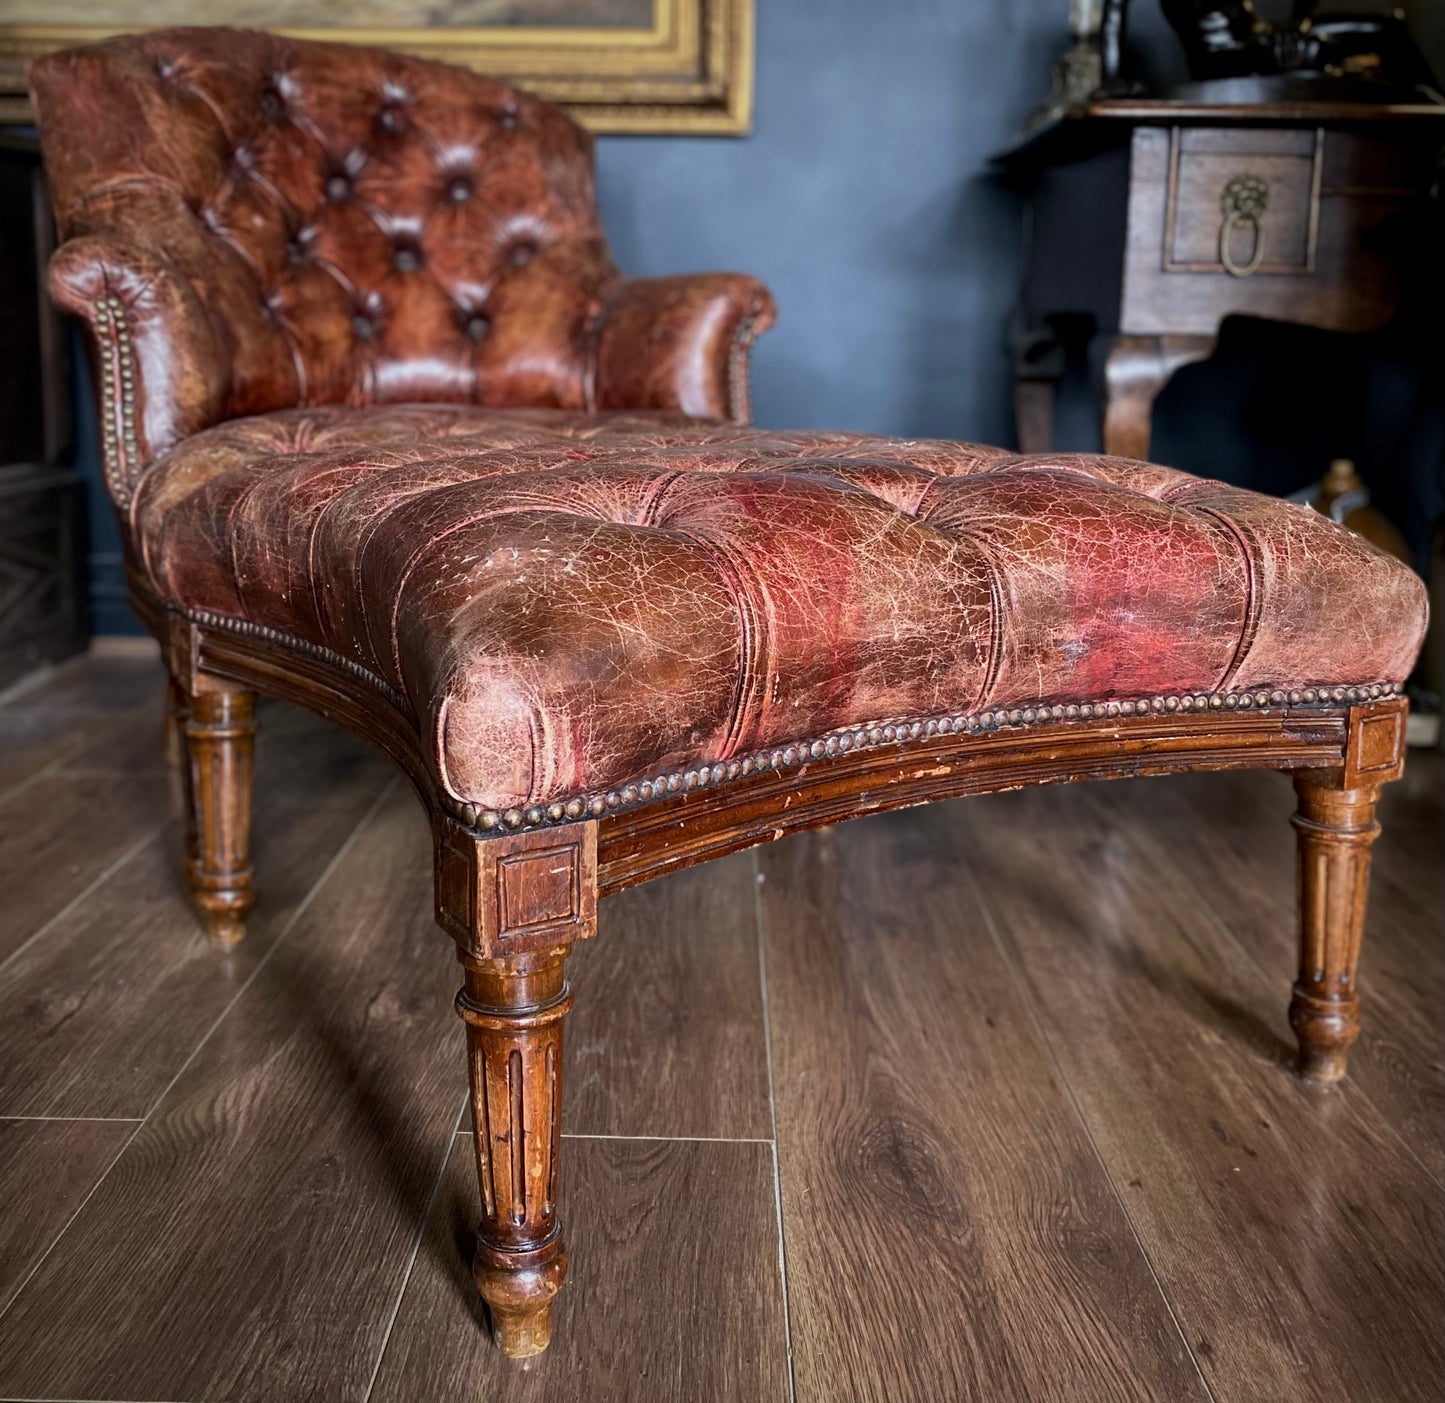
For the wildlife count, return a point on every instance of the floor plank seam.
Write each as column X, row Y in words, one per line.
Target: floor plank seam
column 1011, row 963
column 65, row 1227
column 422, row 1225
column 46, row 771
column 103, row 1120
column 100, row 879
column 773, row 1113
column 140, row 1125
column 55, row 767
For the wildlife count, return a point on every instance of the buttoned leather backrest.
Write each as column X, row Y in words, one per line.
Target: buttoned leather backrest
column 357, row 226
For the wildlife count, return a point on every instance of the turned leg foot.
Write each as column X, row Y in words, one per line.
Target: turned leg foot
column 219, row 732
column 514, row 1009
column 1336, row 828
column 519, row 1296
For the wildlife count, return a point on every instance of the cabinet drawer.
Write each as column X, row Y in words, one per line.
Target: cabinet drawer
column 1319, row 259
column 1270, row 179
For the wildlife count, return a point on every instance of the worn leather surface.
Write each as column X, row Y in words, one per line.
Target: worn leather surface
column 393, row 400
column 299, row 223
column 569, row 601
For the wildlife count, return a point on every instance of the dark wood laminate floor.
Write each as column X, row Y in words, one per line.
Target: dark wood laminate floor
column 986, row 1101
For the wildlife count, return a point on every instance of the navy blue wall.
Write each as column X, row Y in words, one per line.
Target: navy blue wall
column 862, row 198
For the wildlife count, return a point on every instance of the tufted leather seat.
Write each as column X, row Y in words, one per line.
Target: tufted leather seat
column 577, row 606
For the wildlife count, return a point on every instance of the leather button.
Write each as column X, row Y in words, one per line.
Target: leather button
column 273, row 106
column 363, row 326
column 299, row 245
column 508, row 118
column 338, row 187
column 478, row 325
column 459, row 190
column 406, row 259
column 521, row 253
column 392, row 118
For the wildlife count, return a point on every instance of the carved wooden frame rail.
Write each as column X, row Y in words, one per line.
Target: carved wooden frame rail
column 516, row 890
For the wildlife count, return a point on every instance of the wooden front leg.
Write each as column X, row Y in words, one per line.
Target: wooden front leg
column 514, row 1009
column 1136, row 370
column 514, row 904
column 220, row 733
column 1336, row 830
column 1336, row 825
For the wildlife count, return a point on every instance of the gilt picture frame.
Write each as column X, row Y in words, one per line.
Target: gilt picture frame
column 636, row 66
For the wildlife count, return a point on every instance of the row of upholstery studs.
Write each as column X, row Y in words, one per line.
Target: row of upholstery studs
column 120, row 439
column 862, row 738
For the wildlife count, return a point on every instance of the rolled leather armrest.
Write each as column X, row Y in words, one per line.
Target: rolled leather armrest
column 161, row 374
column 682, row 343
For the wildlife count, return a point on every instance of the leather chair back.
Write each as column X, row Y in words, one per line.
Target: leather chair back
column 320, row 223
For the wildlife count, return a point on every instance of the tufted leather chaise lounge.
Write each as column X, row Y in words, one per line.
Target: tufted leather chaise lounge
column 392, row 438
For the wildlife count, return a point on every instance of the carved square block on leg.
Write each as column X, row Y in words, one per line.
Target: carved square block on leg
column 1375, row 748
column 519, row 892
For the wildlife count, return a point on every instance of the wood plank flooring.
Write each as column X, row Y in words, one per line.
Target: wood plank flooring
column 986, row 1101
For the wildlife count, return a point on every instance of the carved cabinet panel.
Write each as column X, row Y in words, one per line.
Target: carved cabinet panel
column 1296, row 223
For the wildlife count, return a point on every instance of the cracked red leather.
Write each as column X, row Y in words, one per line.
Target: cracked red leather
column 572, row 601
column 182, row 375
column 390, row 397
column 302, row 223
column 669, row 343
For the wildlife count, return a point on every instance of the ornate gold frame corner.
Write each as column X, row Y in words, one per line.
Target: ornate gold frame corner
column 690, row 73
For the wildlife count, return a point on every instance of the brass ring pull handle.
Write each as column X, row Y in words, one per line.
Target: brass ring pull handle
column 1244, row 202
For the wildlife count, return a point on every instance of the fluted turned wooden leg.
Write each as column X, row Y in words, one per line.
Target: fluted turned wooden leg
column 514, row 1008
column 514, row 903
column 1337, row 829
column 219, row 732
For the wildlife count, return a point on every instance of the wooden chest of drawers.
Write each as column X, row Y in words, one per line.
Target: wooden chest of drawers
column 1154, row 221
column 1311, row 253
